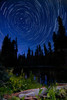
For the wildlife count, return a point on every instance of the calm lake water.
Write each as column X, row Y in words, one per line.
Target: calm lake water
column 47, row 74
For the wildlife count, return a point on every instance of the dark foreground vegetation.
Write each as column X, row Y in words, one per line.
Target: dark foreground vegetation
column 10, row 84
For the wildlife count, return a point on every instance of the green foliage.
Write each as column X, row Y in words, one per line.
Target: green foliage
column 38, row 96
column 55, row 94
column 5, row 90
column 51, row 92
column 3, row 76
column 15, row 83
column 23, row 98
column 62, row 93
column 40, row 91
column 15, row 98
column 19, row 83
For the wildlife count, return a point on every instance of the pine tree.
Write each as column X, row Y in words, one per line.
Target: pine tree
column 9, row 52
column 29, row 52
column 61, row 36
column 55, row 41
column 36, row 52
column 61, row 29
column 45, row 50
column 60, row 39
column 49, row 46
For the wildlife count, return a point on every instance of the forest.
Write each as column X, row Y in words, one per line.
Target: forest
column 48, row 57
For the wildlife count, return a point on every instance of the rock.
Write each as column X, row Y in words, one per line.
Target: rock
column 44, row 90
column 28, row 94
column 32, row 92
column 28, row 98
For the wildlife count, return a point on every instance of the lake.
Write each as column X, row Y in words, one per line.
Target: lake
column 47, row 74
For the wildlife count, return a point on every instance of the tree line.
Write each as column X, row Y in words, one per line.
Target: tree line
column 8, row 53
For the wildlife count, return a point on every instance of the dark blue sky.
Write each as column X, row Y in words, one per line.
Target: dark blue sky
column 31, row 21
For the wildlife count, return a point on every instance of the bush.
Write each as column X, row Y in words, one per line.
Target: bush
column 4, row 90
column 15, row 98
column 15, row 83
column 3, row 76
column 51, row 93
column 19, row 83
column 3, row 82
column 61, row 93
column 55, row 94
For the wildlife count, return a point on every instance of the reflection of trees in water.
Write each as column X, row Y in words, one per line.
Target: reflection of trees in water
column 48, row 75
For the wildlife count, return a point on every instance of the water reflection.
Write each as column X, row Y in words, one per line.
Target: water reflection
column 47, row 75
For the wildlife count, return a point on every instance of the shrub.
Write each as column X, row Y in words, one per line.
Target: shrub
column 4, row 90
column 15, row 98
column 18, row 83
column 15, row 83
column 62, row 93
column 51, row 92
column 3, row 82
column 3, row 76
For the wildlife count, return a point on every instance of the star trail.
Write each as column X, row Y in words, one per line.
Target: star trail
column 31, row 21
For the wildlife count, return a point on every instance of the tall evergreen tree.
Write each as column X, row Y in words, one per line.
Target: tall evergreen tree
column 45, row 50
column 49, row 46
column 61, row 28
column 61, row 36
column 29, row 53
column 6, row 48
column 0, row 58
column 60, row 39
column 55, row 41
column 9, row 52
column 36, row 52
column 40, row 53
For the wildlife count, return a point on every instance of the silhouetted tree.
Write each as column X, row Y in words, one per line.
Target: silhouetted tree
column 32, row 53
column 40, row 53
column 9, row 52
column 49, row 47
column 28, row 56
column 61, row 29
column 32, row 58
column 49, row 54
column 6, row 48
column 36, row 56
column 61, row 37
column 45, row 50
column 60, row 40
column 29, row 52
column 55, row 41
column 20, row 64
column 36, row 52
column 0, row 58
column 14, row 51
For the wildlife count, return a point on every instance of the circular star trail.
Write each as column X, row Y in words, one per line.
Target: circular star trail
column 31, row 21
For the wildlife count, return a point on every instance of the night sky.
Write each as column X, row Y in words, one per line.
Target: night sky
column 31, row 21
